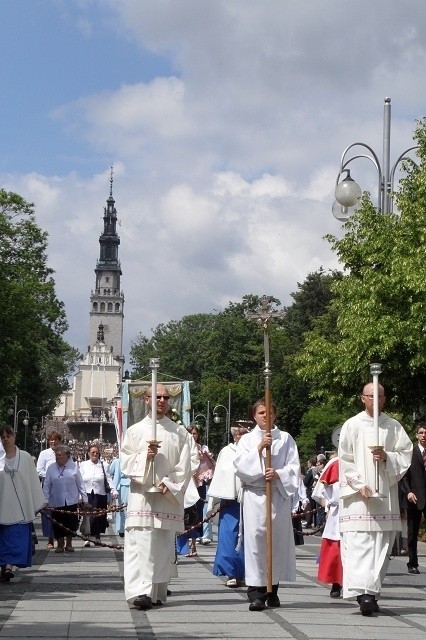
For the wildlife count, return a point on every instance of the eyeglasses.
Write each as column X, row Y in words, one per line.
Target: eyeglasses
column 161, row 396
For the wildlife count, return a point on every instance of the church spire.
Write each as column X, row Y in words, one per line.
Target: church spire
column 107, row 299
column 109, row 240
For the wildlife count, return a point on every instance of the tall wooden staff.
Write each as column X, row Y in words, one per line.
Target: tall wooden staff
column 264, row 314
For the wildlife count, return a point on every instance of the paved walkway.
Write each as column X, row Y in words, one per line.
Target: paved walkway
column 80, row 595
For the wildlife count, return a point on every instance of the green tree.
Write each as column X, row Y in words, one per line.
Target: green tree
column 224, row 351
column 35, row 361
column 217, row 352
column 380, row 303
column 311, row 302
column 319, row 421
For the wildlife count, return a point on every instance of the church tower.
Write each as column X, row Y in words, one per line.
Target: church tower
column 87, row 408
column 107, row 299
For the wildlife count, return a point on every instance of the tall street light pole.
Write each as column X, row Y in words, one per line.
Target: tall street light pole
column 348, row 192
column 12, row 411
column 206, row 421
column 25, row 423
column 216, row 419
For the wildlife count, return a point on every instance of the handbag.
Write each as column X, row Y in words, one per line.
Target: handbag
column 297, row 527
column 106, row 484
column 190, row 517
column 85, row 525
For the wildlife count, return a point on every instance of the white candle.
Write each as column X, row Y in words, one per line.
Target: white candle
column 154, row 363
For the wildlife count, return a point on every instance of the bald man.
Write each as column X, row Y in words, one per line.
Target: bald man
column 153, row 517
column 368, row 525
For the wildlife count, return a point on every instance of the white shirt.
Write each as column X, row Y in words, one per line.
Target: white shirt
column 93, row 477
column 45, row 459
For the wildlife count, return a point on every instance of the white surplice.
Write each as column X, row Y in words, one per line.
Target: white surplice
column 250, row 468
column 152, row 519
column 368, row 526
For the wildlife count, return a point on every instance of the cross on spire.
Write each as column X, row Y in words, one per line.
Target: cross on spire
column 111, row 180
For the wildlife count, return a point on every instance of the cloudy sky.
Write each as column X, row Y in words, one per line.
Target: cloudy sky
column 225, row 121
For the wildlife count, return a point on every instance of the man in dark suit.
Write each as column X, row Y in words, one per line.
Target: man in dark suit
column 413, row 487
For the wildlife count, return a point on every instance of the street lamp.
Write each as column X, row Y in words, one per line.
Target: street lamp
column 26, row 422
column 12, row 410
column 348, row 192
column 206, row 421
column 217, row 419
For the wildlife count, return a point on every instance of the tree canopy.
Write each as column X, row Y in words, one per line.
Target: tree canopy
column 35, row 360
column 223, row 352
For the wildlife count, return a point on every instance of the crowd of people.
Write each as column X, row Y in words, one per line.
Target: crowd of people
column 170, row 482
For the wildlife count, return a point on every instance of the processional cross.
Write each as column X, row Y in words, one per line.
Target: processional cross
column 264, row 314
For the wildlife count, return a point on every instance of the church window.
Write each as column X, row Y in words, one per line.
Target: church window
column 117, row 306
column 109, row 306
column 102, row 306
column 95, row 306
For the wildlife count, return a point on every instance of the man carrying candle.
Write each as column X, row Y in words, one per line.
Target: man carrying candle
column 368, row 524
column 160, row 469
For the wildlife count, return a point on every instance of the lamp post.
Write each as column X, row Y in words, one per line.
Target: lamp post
column 348, row 192
column 26, row 422
column 206, row 421
column 13, row 408
column 216, row 417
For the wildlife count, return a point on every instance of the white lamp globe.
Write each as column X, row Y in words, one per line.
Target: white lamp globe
column 348, row 192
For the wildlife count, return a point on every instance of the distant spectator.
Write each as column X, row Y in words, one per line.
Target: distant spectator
column 62, row 489
column 45, row 459
column 97, row 482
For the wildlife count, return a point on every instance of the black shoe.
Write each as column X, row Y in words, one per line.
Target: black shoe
column 7, row 574
column 413, row 570
column 257, row 605
column 159, row 603
column 367, row 604
column 169, row 593
column 376, row 606
column 143, row 602
column 273, row 601
column 336, row 590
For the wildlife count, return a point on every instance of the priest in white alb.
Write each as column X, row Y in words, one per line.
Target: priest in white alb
column 153, row 517
column 368, row 524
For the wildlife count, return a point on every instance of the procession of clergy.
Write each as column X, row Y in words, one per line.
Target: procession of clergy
column 361, row 524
